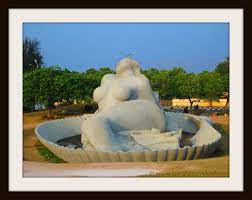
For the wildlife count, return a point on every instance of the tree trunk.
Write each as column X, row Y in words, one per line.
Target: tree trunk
column 227, row 103
column 33, row 105
column 211, row 103
column 49, row 112
column 191, row 102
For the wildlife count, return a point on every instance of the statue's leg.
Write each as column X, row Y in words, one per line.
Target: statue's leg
column 99, row 133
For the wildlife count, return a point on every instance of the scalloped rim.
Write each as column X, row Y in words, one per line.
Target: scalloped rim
column 79, row 155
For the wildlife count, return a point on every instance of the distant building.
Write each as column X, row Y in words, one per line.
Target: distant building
column 201, row 103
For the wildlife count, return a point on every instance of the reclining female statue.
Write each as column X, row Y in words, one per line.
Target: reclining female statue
column 126, row 102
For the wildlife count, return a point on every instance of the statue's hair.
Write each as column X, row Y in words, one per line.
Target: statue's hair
column 128, row 63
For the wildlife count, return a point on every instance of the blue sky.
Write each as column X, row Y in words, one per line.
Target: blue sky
column 79, row 46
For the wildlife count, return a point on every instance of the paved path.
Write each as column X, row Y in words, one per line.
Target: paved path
column 39, row 169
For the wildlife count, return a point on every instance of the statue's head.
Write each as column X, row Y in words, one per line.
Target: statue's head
column 127, row 67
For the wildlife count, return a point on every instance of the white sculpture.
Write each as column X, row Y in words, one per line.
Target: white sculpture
column 129, row 126
column 126, row 103
column 126, row 85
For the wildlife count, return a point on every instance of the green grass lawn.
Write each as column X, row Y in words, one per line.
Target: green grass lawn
column 47, row 154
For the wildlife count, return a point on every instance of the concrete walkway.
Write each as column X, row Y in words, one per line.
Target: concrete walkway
column 39, row 169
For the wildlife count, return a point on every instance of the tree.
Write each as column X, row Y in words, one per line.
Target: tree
column 175, row 76
column 42, row 86
column 165, row 81
column 106, row 70
column 32, row 57
column 223, row 67
column 70, row 84
column 211, row 85
column 160, row 83
column 225, row 83
column 188, row 87
column 53, row 84
column 150, row 72
column 30, row 91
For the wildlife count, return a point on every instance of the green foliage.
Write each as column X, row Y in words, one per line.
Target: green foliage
column 211, row 85
column 225, row 82
column 189, row 87
column 177, row 83
column 46, row 86
column 53, row 84
column 106, row 70
column 48, row 155
column 32, row 57
column 223, row 67
column 165, row 81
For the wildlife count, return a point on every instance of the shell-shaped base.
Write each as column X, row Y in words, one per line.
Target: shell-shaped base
column 204, row 141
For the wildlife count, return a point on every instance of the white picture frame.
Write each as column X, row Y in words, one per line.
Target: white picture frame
column 19, row 16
